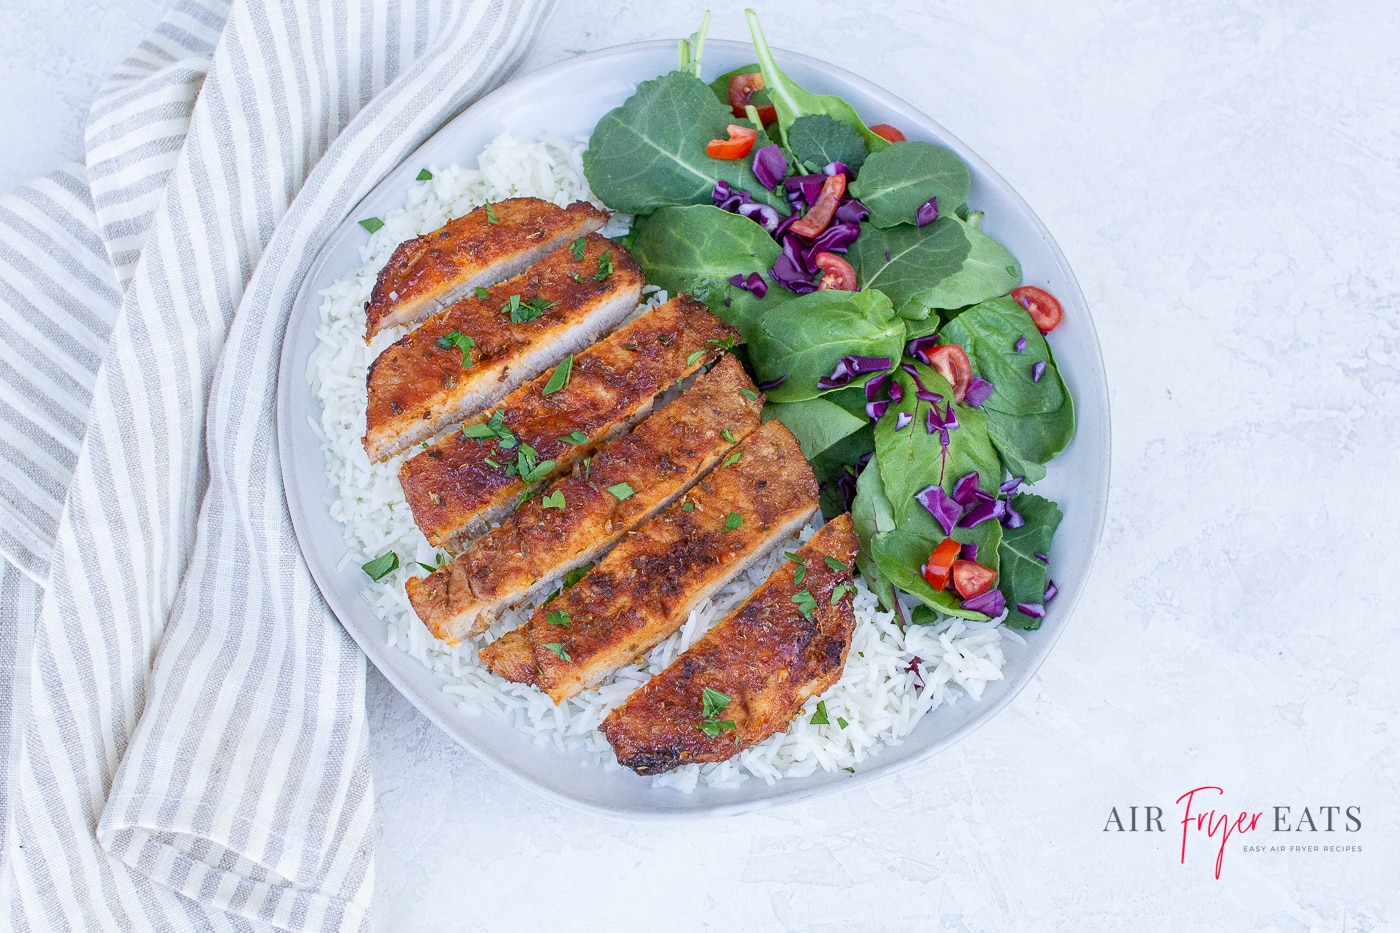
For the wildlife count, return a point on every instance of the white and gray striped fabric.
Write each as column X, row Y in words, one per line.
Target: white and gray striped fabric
column 182, row 719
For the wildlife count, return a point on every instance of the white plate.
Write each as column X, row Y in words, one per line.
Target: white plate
column 567, row 99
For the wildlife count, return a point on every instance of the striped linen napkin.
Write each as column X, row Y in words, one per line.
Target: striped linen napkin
column 182, row 728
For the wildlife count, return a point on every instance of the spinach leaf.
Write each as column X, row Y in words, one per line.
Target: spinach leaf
column 896, row 181
column 904, row 262
column 818, row 140
column 650, row 152
column 815, row 422
column 803, row 338
column 988, row 271
column 1029, row 422
column 696, row 249
column 791, row 101
column 1023, row 574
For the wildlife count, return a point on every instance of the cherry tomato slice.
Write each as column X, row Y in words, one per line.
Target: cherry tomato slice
column 820, row 214
column 738, row 145
column 971, row 578
column 741, row 91
column 951, row 362
column 1042, row 306
column 882, row 130
column 837, row 273
column 939, row 569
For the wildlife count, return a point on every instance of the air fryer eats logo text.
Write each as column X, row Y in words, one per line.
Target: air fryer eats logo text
column 1196, row 818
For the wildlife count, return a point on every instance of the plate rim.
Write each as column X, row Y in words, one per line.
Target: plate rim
column 1046, row 638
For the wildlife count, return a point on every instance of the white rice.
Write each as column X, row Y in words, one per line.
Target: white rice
column 879, row 697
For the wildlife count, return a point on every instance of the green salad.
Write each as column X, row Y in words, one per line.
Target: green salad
column 891, row 335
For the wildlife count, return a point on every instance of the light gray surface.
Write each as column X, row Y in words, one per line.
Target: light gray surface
column 1225, row 183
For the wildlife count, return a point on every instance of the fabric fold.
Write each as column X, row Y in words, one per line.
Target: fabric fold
column 194, row 752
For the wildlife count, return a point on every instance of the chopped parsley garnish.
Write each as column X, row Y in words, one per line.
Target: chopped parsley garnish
column 560, row 379
column 437, row 562
column 522, row 312
column 554, row 500
column 424, row 175
column 726, row 344
column 628, row 346
column 694, row 358
column 575, row 437
column 732, row 521
column 713, row 703
column 559, row 617
column 806, row 603
column 728, row 435
column 749, row 394
column 605, row 269
column 732, row 459
column 492, row 463
column 579, row 246
column 819, row 717
column 371, row 223
column 849, row 770
column 840, row 591
column 621, row 491
column 494, row 427
column 483, row 293
column 462, row 342
column 381, row 566
column 528, row 466
column 575, row 575
column 799, row 575
column 587, row 467
column 842, row 723
column 687, row 506
column 491, row 214
column 836, row 565
column 558, row 649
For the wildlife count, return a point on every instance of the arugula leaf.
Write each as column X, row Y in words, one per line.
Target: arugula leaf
column 560, row 378
column 904, row 262
column 1023, row 575
column 720, row 85
column 697, row 249
column 650, row 152
column 381, row 566
column 791, row 101
column 693, row 47
column 896, row 182
column 816, row 422
column 818, row 140
column 804, row 337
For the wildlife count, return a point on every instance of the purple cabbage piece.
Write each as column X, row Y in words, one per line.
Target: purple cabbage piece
column 769, row 166
column 941, row 506
column 984, row 496
column 752, row 283
column 965, row 489
column 765, row 215
column 783, row 225
column 920, row 347
column 978, row 391
column 991, row 603
column 834, row 239
column 927, row 212
column 1037, row 371
column 969, row 552
column 839, row 168
column 727, row 198
column 1042, row 557
column 787, row 274
column 1034, row 610
column 1020, row 344
column 1011, row 485
column 809, row 187
column 1012, row 518
column 876, row 410
column 982, row 511
column 902, row 420
column 896, row 392
column 848, row 367
column 851, row 211
column 873, row 387
column 795, row 250
column 773, row 383
column 1051, row 590
column 942, row 422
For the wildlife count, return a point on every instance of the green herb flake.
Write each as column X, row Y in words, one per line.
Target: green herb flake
column 796, row 558
column 849, row 770
column 819, row 717
column 554, row 500
column 587, row 466
column 575, row 437
column 728, row 435
column 371, row 223
column 560, row 379
column 559, row 617
column 622, row 491
column 687, row 506
column 483, row 293
column 558, row 649
column 836, row 565
column 628, row 346
column 491, row 214
column 492, row 463
column 749, row 394
column 480, row 429
column 462, row 342
column 799, row 575
column 605, row 265
column 575, row 575
column 381, row 566
column 579, row 246
column 695, row 357
column 806, row 603
column 732, row 521
column 841, row 722
column 428, row 567
column 840, row 591
column 712, row 704
column 732, row 459
column 424, row 175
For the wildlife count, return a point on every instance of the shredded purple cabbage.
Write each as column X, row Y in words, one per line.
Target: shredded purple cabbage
column 969, row 552
column 1034, row 610
column 1037, row 371
column 1020, row 344
column 941, row 506
column 920, row 347
column 773, row 383
column 942, row 422
column 848, row 367
column 765, row 215
column 978, row 391
column 874, row 386
column 1042, row 557
column 982, row 511
column 769, row 166
column 1051, row 590
column 927, row 212
column 902, row 420
column 1012, row 518
column 991, row 603
column 965, row 489
column 789, row 275
column 851, row 211
column 1011, row 485
column 752, row 283
column 876, row 410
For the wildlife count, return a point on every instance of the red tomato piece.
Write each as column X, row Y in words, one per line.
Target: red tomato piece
column 738, row 145
column 741, row 91
column 882, row 130
column 837, row 273
column 939, row 569
column 950, row 361
column 971, row 578
column 1043, row 307
column 820, row 214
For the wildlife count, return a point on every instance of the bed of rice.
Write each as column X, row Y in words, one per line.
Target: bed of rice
column 880, row 698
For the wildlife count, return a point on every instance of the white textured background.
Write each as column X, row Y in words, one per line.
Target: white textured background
column 1225, row 179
